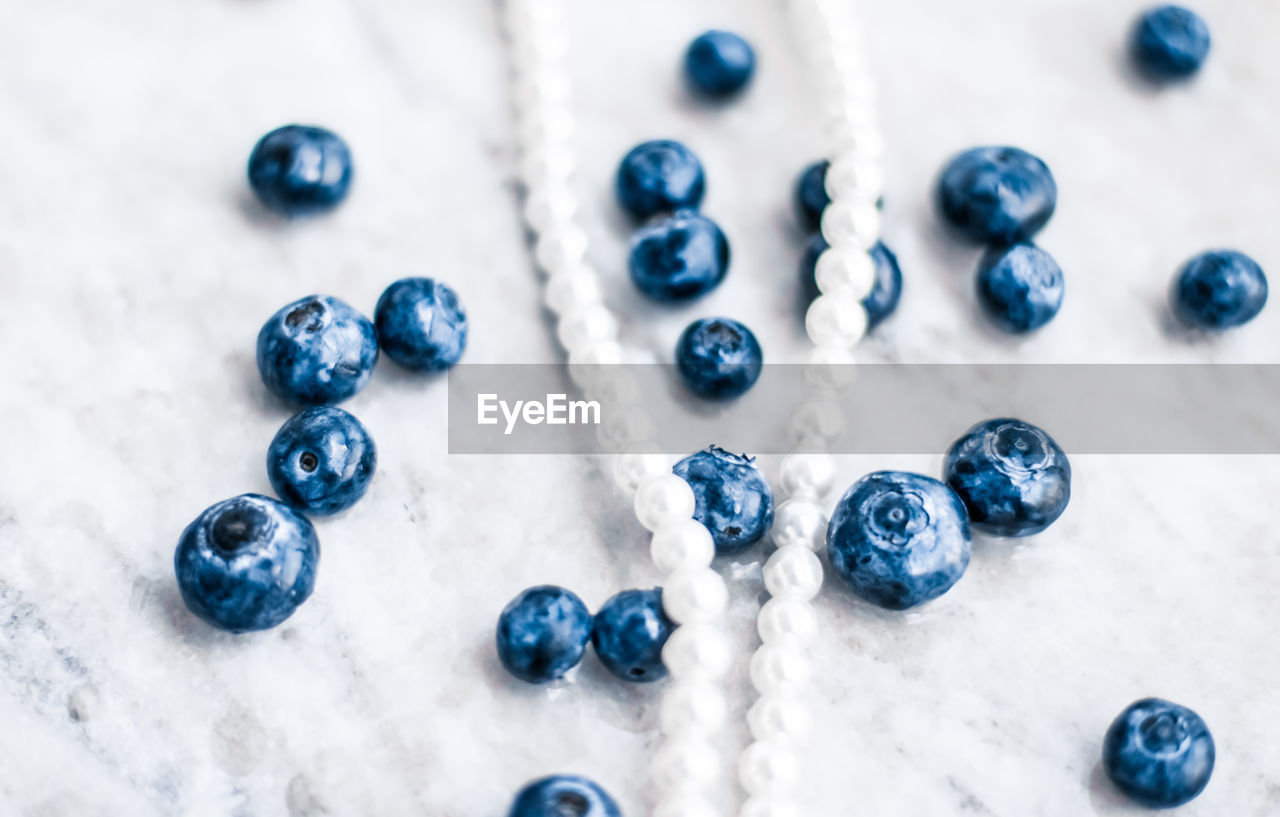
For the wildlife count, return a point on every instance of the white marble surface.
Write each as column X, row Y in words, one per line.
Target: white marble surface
column 135, row 271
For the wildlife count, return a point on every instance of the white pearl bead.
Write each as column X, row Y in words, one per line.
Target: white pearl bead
column 692, row 706
column 561, row 250
column 588, row 361
column 767, row 766
column 546, row 86
column 851, row 223
column 550, row 207
column 572, row 290
column 663, row 499
column 816, row 419
column 541, row 37
column 623, row 426
column 787, row 619
column 585, row 360
column 835, row 320
column 807, row 474
column 696, row 651
column 544, row 165
column 688, row 761
column 846, row 272
column 588, row 324
column 854, row 177
column 541, row 131
column 769, row 806
column 831, row 367
column 778, row 718
column 683, row 544
column 638, row 464
column 685, row 804
column 780, row 668
column 868, row 142
column 694, row 596
column 793, row 572
column 845, row 128
column 616, row 386
column 799, row 523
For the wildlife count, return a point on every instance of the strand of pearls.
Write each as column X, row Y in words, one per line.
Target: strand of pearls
column 687, row 765
column 769, row 768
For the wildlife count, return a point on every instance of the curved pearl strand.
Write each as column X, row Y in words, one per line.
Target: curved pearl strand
column 836, row 320
column 694, row 706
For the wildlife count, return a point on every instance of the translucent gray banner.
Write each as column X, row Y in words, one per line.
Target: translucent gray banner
column 866, row 409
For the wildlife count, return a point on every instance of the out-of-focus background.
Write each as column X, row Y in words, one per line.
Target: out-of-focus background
column 135, row 271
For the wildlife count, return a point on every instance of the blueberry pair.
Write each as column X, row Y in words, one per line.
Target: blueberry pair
column 679, row 254
column 1002, row 197
column 901, row 539
column 319, row 350
column 810, row 199
column 543, row 633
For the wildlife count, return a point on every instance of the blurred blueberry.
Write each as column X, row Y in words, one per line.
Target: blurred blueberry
column 321, row 460
column 300, row 170
column 247, row 563
column 732, row 498
column 543, row 633
column 563, row 796
column 810, row 195
column 660, row 176
column 317, row 350
column 899, row 539
column 1019, row 287
column 1011, row 476
column 678, row 257
column 997, row 195
column 719, row 63
column 1170, row 43
column 421, row 325
column 885, row 293
column 629, row 633
column 1158, row 753
column 1219, row 289
column 718, row 358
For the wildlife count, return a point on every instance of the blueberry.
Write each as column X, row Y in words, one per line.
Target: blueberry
column 885, row 292
column 718, row 358
column 1219, row 289
column 629, row 632
column 719, row 63
column 661, row 176
column 563, row 796
column 732, row 498
column 1019, row 287
column 543, row 633
column 1158, row 753
column 1011, row 476
column 316, row 350
column 678, row 257
column 247, row 563
column 300, row 170
column 421, row 325
column 899, row 539
column 811, row 194
column 1170, row 43
column 997, row 195
column 321, row 460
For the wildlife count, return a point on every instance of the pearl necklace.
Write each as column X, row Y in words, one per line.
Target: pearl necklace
column 697, row 655
column 836, row 320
